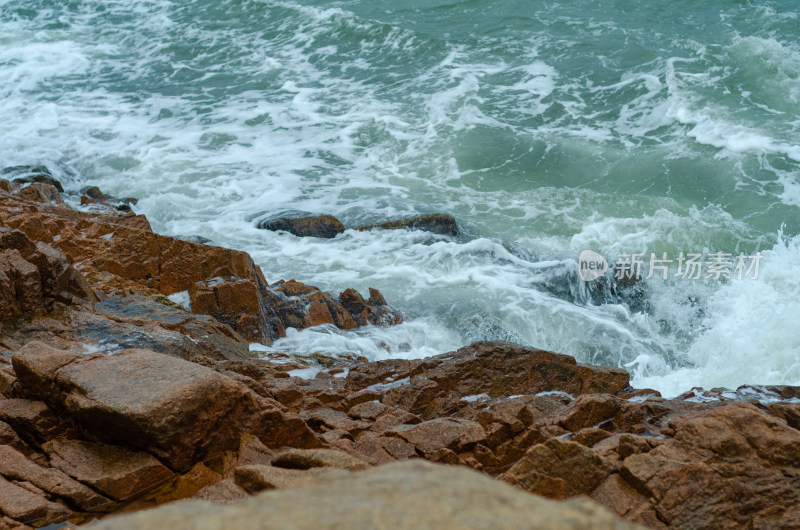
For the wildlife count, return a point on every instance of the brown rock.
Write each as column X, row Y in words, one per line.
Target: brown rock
column 32, row 420
column 118, row 472
column 590, row 411
column 324, row 226
column 224, row 493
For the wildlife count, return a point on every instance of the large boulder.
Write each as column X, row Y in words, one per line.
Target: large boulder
column 409, row 495
column 177, row 410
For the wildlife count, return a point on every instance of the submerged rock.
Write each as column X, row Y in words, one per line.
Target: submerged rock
column 324, row 226
column 438, row 223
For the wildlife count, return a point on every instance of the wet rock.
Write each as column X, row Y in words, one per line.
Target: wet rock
column 396, row 496
column 31, row 174
column 40, row 192
column 373, row 311
column 115, row 471
column 239, row 304
column 324, row 226
column 437, row 223
column 119, row 252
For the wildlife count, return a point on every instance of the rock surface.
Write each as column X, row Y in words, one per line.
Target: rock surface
column 437, row 223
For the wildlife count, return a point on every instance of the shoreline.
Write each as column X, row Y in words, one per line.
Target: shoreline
column 116, row 398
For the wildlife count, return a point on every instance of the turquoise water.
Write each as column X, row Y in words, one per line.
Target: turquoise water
column 546, row 128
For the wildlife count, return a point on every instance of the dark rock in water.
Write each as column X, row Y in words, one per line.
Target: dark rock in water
column 324, row 226
column 194, row 239
column 438, row 223
column 30, row 174
column 94, row 192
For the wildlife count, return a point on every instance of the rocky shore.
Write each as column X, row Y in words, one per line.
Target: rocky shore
column 126, row 383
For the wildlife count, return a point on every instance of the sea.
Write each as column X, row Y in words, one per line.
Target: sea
column 655, row 134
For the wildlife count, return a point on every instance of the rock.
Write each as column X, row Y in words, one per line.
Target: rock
column 590, row 411
column 177, row 410
column 314, row 458
column 115, row 471
column 437, row 223
column 434, row 386
column 16, row 466
column 22, row 505
column 324, row 226
column 395, row 496
column 373, row 312
column 559, row 469
column 729, row 466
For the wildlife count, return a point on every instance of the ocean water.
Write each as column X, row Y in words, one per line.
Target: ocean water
column 546, row 128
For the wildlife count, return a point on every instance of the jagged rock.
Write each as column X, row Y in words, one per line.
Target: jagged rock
column 374, row 311
column 40, row 192
column 33, row 277
column 324, row 226
column 239, row 304
column 438, row 223
column 434, row 386
column 408, row 495
column 117, row 472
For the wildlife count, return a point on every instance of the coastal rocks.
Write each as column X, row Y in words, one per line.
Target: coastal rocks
column 437, row 223
column 406, row 495
column 262, row 313
column 323, row 226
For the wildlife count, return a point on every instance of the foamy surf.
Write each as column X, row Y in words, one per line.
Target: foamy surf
column 680, row 140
